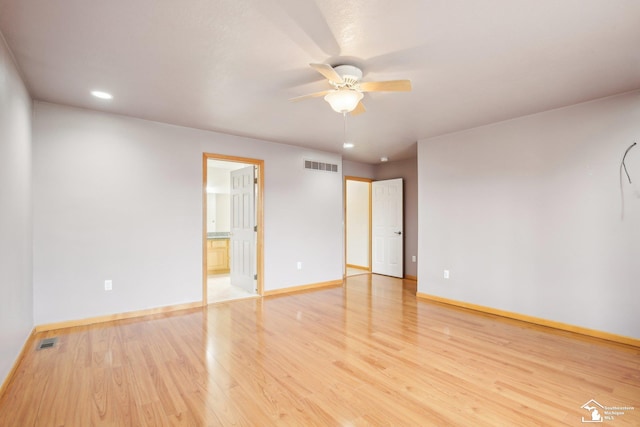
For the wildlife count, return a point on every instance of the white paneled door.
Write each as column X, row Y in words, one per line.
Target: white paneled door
column 387, row 227
column 243, row 234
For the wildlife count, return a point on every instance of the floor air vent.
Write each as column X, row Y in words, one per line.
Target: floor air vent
column 47, row 343
column 320, row 166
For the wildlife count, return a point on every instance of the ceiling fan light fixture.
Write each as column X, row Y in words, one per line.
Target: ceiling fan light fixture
column 343, row 101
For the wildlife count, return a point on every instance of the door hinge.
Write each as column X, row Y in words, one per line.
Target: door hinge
column 255, row 277
column 255, row 180
column 255, row 228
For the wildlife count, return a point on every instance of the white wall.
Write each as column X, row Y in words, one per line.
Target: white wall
column 223, row 212
column 212, row 213
column 16, row 289
column 219, row 183
column 304, row 217
column 357, row 223
column 218, row 179
column 120, row 198
column 359, row 170
column 526, row 214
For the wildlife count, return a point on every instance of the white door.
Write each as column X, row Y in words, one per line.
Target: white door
column 243, row 234
column 387, row 227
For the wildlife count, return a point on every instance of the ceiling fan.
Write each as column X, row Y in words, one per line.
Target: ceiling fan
column 346, row 95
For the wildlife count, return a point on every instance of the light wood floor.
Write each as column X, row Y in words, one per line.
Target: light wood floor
column 367, row 353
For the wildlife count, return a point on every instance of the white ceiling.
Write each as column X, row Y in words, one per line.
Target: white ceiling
column 232, row 65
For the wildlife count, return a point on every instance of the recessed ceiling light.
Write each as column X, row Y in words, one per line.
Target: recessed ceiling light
column 348, row 145
column 101, row 95
column 384, row 159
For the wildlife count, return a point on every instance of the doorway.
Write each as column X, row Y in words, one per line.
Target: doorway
column 374, row 239
column 357, row 194
column 232, row 228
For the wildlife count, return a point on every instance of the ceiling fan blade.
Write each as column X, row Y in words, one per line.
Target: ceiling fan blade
column 327, row 71
column 359, row 109
column 311, row 95
column 388, row 86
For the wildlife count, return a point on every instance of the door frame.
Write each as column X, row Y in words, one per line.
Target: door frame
column 259, row 217
column 368, row 181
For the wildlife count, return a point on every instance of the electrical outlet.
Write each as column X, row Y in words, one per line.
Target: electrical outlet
column 413, row 258
column 299, row 265
column 446, row 274
column 108, row 285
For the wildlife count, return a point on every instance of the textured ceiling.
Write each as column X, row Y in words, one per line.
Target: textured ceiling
column 232, row 65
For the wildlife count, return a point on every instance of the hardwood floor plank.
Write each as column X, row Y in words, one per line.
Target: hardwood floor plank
column 367, row 353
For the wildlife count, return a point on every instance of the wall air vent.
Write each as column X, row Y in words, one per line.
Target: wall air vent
column 320, row 166
column 47, row 343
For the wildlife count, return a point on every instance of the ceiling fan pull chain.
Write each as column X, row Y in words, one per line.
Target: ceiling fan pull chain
column 344, row 114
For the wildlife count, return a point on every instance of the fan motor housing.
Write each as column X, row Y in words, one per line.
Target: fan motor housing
column 349, row 73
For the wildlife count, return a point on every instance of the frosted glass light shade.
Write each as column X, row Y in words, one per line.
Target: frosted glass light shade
column 343, row 101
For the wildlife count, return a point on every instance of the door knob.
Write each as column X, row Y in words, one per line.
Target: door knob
column 398, row 232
